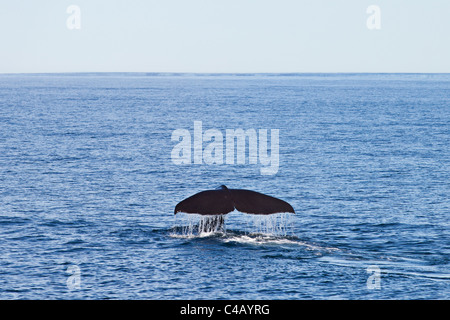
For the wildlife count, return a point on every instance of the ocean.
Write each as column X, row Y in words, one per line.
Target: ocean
column 89, row 183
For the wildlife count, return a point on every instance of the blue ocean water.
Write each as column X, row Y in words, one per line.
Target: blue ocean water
column 88, row 187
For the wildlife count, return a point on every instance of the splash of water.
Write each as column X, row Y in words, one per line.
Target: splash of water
column 198, row 225
column 193, row 225
column 278, row 224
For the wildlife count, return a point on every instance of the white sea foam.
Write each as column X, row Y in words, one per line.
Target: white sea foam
column 251, row 229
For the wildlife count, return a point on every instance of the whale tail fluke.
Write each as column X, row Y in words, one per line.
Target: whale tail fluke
column 223, row 200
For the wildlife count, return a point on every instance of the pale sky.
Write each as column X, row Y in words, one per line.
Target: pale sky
column 224, row 36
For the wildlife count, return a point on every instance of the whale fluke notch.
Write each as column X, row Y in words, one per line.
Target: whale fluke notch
column 223, row 200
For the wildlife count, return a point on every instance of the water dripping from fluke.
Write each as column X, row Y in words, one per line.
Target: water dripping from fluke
column 196, row 225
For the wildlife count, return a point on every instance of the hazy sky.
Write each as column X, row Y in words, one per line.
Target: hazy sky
column 224, row 36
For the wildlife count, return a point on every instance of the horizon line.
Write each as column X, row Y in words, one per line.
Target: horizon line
column 169, row 73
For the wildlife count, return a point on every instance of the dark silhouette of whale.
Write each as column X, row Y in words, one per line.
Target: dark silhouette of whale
column 223, row 200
